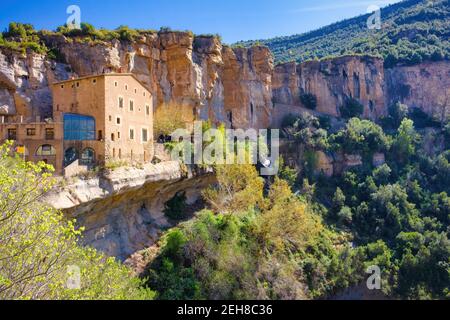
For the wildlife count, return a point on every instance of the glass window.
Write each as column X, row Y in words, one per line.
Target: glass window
column 70, row 156
column 131, row 134
column 31, row 132
column 147, row 109
column 131, row 105
column 87, row 156
column 78, row 127
column 144, row 135
column 120, row 102
column 46, row 150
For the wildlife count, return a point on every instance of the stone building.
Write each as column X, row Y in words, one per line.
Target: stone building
column 96, row 119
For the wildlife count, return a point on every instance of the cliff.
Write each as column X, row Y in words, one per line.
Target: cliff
column 332, row 81
column 237, row 86
column 425, row 86
column 123, row 211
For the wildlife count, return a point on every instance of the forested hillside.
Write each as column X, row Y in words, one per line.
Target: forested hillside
column 412, row 31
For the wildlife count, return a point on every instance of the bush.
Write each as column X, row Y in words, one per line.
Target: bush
column 175, row 207
column 309, row 100
column 38, row 243
column 352, row 108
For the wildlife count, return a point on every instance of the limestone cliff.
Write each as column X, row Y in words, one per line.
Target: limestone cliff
column 425, row 86
column 215, row 81
column 237, row 86
column 333, row 81
column 123, row 211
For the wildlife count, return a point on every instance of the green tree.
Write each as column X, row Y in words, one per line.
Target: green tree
column 406, row 142
column 37, row 244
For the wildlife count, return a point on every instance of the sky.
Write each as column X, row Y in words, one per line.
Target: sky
column 234, row 20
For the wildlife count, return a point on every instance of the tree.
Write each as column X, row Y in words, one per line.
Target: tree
column 406, row 141
column 361, row 136
column 352, row 108
column 309, row 100
column 38, row 245
column 239, row 188
column 398, row 112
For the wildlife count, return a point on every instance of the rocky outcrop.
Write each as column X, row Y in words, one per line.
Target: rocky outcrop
column 27, row 80
column 123, row 211
column 333, row 82
column 425, row 86
column 217, row 82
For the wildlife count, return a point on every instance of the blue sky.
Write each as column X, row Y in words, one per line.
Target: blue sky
column 233, row 19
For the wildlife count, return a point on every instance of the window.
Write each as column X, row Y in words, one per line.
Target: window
column 113, row 138
column 116, row 84
column 110, row 118
column 118, row 120
column 78, row 84
column 94, row 81
column 70, row 156
column 118, row 135
column 121, row 102
column 126, row 87
column 46, row 150
column 87, row 156
column 135, row 90
column 131, row 105
column 131, row 134
column 79, row 127
column 100, row 135
column 12, row 134
column 62, row 86
column 31, row 132
column 144, row 135
column 147, row 109
column 49, row 134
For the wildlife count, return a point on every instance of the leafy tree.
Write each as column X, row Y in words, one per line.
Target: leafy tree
column 239, row 188
column 351, row 108
column 309, row 100
column 406, row 141
column 37, row 245
column 361, row 136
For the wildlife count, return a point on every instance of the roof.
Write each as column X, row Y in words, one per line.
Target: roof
column 104, row 75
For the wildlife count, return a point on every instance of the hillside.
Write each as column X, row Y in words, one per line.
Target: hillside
column 412, row 31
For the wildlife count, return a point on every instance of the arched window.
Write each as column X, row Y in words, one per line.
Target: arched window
column 70, row 156
column 46, row 150
column 88, row 156
column 78, row 127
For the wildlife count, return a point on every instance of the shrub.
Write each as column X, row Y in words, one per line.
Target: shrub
column 175, row 207
column 309, row 100
column 352, row 108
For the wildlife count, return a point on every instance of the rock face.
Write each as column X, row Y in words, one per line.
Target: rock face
column 333, row 81
column 425, row 86
column 122, row 212
column 217, row 82
column 27, row 79
column 236, row 86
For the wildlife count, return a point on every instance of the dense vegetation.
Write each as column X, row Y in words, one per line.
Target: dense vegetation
column 39, row 248
column 412, row 31
column 402, row 207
